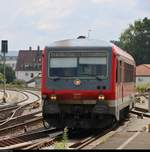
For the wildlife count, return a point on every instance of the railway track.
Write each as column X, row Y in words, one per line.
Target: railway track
column 140, row 112
column 17, row 110
column 83, row 144
column 22, row 127
column 37, row 142
column 8, row 108
column 30, row 139
column 19, row 116
column 19, row 119
column 96, row 136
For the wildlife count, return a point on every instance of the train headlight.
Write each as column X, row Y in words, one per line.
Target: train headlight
column 53, row 97
column 101, row 97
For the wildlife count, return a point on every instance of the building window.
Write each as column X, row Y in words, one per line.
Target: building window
column 140, row 79
column 32, row 75
column 26, row 65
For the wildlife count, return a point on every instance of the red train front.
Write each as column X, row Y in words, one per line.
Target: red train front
column 83, row 83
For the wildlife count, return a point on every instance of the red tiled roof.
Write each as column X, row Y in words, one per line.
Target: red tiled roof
column 143, row 70
column 27, row 60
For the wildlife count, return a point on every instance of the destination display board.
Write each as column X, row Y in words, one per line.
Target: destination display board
column 78, row 54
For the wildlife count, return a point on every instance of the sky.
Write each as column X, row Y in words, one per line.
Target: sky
column 27, row 23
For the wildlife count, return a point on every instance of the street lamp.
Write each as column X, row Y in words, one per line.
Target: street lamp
column 4, row 49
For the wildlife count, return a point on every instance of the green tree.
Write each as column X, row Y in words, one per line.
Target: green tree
column 1, row 77
column 10, row 73
column 136, row 41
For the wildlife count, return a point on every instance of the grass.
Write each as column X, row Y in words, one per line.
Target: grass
column 62, row 144
column 18, row 86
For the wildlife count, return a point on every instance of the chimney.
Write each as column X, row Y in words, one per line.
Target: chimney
column 38, row 48
column 30, row 48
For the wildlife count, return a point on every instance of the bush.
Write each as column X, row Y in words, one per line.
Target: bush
column 63, row 143
column 143, row 87
column 9, row 73
column 17, row 83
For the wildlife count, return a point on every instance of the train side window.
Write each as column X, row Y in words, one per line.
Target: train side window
column 129, row 73
column 120, row 71
column 116, row 70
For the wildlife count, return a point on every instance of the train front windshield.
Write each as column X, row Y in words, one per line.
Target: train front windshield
column 78, row 66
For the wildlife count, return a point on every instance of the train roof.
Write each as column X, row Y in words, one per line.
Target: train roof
column 120, row 52
column 84, row 42
column 92, row 43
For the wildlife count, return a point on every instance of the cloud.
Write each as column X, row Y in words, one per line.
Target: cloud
column 47, row 14
column 102, row 1
column 39, row 22
column 32, row 21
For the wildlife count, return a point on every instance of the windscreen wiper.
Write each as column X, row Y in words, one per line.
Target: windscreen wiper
column 55, row 78
column 98, row 77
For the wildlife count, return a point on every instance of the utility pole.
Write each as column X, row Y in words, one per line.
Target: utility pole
column 4, row 50
column 149, row 102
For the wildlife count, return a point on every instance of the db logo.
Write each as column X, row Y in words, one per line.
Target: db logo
column 77, row 82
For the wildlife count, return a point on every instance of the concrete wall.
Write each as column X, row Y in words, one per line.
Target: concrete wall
column 142, row 80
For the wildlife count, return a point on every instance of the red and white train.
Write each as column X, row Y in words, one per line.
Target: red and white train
column 86, row 83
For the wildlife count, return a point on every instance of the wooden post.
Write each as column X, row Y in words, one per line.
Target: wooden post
column 148, row 127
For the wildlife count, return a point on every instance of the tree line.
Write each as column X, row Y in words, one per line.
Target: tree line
column 136, row 41
column 9, row 74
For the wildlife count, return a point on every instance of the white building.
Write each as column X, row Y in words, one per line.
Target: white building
column 29, row 64
column 143, row 74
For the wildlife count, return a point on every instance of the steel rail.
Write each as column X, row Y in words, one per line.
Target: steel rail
column 82, row 143
column 140, row 113
column 9, row 108
column 20, row 126
column 27, row 139
column 20, row 108
column 38, row 145
column 19, row 118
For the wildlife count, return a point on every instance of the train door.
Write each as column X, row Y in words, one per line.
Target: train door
column 119, row 85
column 119, row 80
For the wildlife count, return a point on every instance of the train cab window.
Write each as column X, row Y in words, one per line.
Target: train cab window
column 93, row 66
column 63, row 67
column 81, row 66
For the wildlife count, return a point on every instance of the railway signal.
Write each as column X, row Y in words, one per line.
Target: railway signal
column 4, row 50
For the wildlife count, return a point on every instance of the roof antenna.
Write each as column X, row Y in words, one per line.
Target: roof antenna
column 89, row 33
